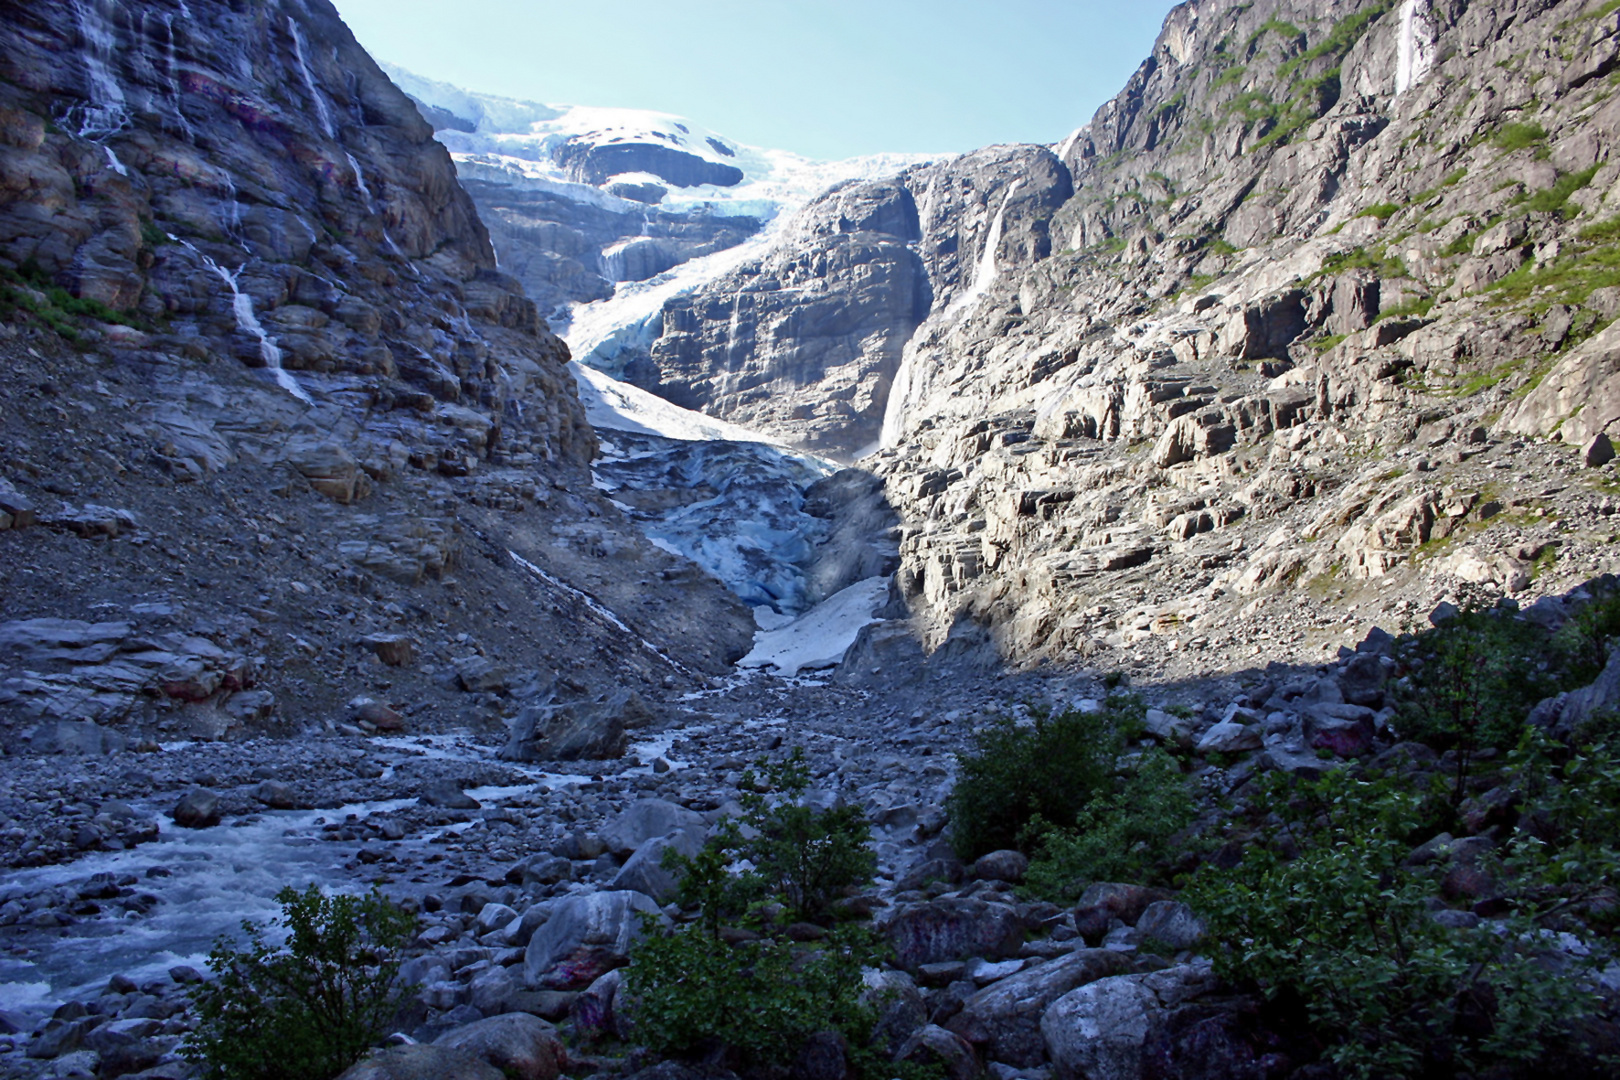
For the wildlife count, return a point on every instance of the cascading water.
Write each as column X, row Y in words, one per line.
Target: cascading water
column 172, row 73
column 1415, row 51
column 247, row 320
column 360, row 183
column 107, row 111
column 321, row 110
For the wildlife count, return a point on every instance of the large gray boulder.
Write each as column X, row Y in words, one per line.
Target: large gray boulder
column 197, row 809
column 644, row 819
column 645, row 872
column 1148, row 1027
column 955, row 928
column 422, row 1063
column 75, row 737
column 1004, row 1019
column 576, row 730
column 587, row 935
column 1562, row 716
column 521, row 1046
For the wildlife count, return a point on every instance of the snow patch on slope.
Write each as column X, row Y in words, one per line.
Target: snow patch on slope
column 618, row 406
column 821, row 636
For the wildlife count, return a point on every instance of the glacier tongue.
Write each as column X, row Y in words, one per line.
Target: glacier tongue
column 820, row 637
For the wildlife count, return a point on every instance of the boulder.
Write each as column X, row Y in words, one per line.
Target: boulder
column 1167, row 727
column 1171, row 925
column 949, row 1052
column 1004, row 1019
column 824, row 1056
column 395, row 650
column 1598, row 451
column 521, row 1046
column 1231, row 737
column 276, row 795
column 899, row 1005
column 1009, row 866
column 645, row 819
column 197, row 809
column 576, row 731
column 447, row 794
column 644, row 872
column 595, row 1011
column 1564, row 715
column 1362, row 681
column 1344, row 730
column 75, row 737
column 586, row 936
column 954, row 928
column 418, row 1062
column 1105, row 901
column 1149, row 1027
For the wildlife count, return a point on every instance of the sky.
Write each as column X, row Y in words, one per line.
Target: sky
column 828, row 79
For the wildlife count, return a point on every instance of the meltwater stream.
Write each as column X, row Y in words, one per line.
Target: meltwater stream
column 207, row 881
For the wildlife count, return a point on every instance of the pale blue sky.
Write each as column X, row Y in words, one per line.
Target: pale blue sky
column 826, row 78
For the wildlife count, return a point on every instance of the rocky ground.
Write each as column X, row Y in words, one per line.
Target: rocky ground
column 506, row 860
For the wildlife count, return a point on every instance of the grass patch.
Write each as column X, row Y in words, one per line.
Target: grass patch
column 1229, row 76
column 1345, row 33
column 1361, row 259
column 1570, row 279
column 1555, row 200
column 1519, row 136
column 1383, row 211
column 1410, row 309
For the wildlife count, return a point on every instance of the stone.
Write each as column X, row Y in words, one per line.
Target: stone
column 1103, row 902
column 1147, row 1027
column 448, row 795
column 595, row 1010
column 1171, row 925
column 1598, row 450
column 481, row 675
column 1231, row 737
column 197, row 809
column 953, row 928
column 644, row 871
column 1167, row 727
column 422, row 1062
column 576, row 731
column 493, row 917
column 494, row 991
column 643, row 820
column 16, row 506
column 1363, row 680
column 899, row 1005
column 75, row 737
column 1004, row 1019
column 395, row 650
column 521, row 1046
column 823, row 1056
column 1346, row 731
column 585, row 936
column 378, row 715
column 1008, row 866
column 949, row 1052
column 542, row 869
column 276, row 795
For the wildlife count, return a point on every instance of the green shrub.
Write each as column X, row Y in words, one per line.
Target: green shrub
column 1472, row 682
column 1566, row 857
column 1051, row 768
column 311, row 1008
column 1343, row 931
column 1585, row 642
column 797, row 855
column 1125, row 836
column 692, row 993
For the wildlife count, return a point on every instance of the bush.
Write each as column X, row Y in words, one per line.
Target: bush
column 1471, row 684
column 693, row 993
column 307, row 1010
column 1566, row 856
column 1126, row 836
column 1344, row 932
column 1586, row 640
column 1050, row 769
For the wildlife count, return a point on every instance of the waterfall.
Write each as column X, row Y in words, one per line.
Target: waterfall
column 360, row 182
column 107, row 112
column 985, row 274
column 321, row 110
column 1415, row 51
column 247, row 320
column 173, row 72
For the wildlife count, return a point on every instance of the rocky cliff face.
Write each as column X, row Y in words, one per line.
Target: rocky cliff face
column 1324, row 265
column 1283, row 312
column 276, row 425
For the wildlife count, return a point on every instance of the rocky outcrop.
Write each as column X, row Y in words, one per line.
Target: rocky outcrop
column 292, row 404
column 805, row 344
